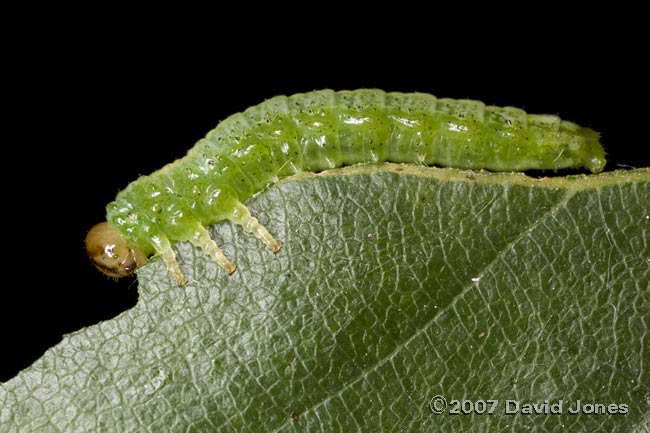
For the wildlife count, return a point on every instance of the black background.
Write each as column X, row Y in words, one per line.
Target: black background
column 92, row 118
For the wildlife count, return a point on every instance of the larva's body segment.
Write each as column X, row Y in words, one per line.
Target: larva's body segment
column 323, row 130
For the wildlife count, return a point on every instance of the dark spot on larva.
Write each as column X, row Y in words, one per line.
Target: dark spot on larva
column 423, row 198
column 508, row 122
column 211, row 162
column 470, row 176
column 295, row 415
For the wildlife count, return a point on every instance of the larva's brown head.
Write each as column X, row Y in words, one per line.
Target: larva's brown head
column 111, row 252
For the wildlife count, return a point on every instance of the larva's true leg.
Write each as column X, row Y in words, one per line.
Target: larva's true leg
column 241, row 216
column 164, row 248
column 203, row 240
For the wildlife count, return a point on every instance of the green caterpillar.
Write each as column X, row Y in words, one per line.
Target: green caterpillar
column 316, row 131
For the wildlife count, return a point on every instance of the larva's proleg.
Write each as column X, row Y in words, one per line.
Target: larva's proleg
column 315, row 131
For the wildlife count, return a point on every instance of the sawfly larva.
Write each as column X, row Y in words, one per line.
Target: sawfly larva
column 313, row 132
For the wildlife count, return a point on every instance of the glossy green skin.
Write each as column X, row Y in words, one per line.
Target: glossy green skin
column 325, row 129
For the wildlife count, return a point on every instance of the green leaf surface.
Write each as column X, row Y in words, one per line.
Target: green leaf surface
column 395, row 284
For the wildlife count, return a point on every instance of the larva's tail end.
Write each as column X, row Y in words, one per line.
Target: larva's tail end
column 594, row 152
column 596, row 164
